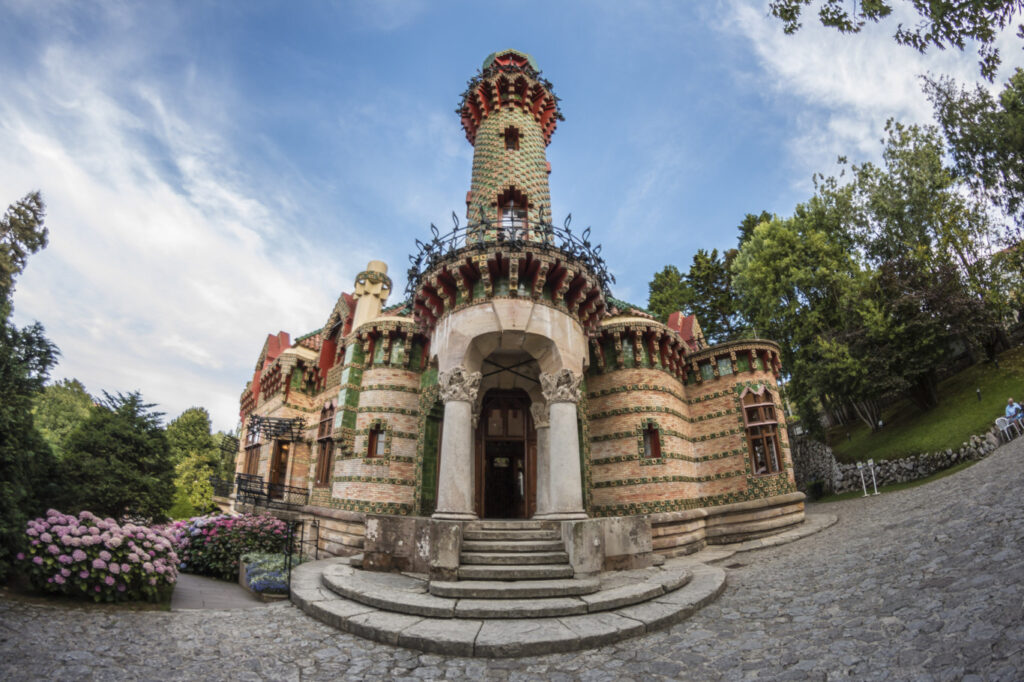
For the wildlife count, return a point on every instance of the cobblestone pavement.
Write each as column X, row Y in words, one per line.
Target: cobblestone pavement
column 916, row 585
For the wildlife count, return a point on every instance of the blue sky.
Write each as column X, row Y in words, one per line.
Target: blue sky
column 218, row 171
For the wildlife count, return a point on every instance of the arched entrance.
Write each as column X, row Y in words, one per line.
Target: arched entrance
column 506, row 456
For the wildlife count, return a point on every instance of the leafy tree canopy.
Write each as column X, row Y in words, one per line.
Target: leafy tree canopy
column 749, row 222
column 943, row 23
column 713, row 301
column 58, row 409
column 869, row 282
column 189, row 433
column 669, row 292
column 117, row 462
column 985, row 136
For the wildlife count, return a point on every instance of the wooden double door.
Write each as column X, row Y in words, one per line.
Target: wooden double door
column 506, row 457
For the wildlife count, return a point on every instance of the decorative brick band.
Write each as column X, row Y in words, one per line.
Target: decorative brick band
column 385, row 409
column 374, row 479
column 617, row 459
column 639, row 409
column 391, row 387
column 667, row 479
column 634, row 508
column 620, row 435
column 637, row 387
column 368, row 507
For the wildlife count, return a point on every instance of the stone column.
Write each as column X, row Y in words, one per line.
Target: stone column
column 455, row 482
column 542, row 426
column 564, row 482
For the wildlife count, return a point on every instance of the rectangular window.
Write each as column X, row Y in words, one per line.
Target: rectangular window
column 724, row 366
column 762, row 432
column 707, row 371
column 512, row 138
column 652, row 442
column 373, row 442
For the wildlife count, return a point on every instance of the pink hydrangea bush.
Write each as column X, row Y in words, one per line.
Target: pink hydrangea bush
column 212, row 544
column 98, row 558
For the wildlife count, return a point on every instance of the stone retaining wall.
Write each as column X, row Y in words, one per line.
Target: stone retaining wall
column 814, row 461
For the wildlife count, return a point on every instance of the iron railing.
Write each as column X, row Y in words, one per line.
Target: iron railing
column 251, row 489
column 222, row 487
column 512, row 233
column 279, row 495
column 277, row 427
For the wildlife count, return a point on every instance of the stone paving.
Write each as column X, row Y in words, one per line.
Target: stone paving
column 917, row 585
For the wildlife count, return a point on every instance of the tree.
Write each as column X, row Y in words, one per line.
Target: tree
column 985, row 137
column 713, row 301
column 196, row 457
column 749, row 222
column 27, row 465
column 22, row 233
column 930, row 243
column 944, row 23
column 669, row 292
column 189, row 433
column 58, row 409
column 119, row 461
column 801, row 286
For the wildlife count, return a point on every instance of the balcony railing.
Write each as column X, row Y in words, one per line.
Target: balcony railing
column 222, row 487
column 513, row 233
column 253, row 490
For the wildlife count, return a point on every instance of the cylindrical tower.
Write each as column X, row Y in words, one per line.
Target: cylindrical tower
column 509, row 114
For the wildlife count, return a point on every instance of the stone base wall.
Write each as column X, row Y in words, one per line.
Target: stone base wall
column 340, row 533
column 689, row 531
column 815, row 461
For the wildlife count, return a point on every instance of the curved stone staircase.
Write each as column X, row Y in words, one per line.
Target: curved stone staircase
column 516, row 595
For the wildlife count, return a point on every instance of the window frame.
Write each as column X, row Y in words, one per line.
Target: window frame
column 325, row 446
column 253, row 446
column 512, row 137
column 761, row 428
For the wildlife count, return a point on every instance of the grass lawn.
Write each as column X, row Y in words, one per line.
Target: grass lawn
column 959, row 415
column 859, row 492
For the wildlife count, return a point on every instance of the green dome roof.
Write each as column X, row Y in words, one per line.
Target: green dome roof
column 492, row 56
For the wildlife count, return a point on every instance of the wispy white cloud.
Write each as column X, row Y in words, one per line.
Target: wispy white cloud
column 840, row 89
column 165, row 269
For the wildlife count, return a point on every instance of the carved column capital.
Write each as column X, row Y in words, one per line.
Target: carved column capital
column 561, row 387
column 458, row 383
column 539, row 411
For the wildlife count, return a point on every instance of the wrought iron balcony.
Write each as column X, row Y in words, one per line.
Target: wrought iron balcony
column 512, row 233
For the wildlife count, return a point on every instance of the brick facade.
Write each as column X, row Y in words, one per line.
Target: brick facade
column 664, row 429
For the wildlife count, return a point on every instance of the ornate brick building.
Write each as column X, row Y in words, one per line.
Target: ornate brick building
column 510, row 385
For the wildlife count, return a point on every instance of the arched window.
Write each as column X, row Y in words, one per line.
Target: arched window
column 325, row 446
column 762, row 431
column 512, row 207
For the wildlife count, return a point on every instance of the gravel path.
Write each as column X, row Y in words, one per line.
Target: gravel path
column 916, row 585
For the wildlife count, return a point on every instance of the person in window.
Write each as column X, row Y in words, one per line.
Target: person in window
column 1013, row 411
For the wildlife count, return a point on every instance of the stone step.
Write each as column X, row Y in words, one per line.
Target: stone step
column 528, row 572
column 514, row 558
column 513, row 535
column 501, row 547
column 526, row 589
column 498, row 524
column 517, row 628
